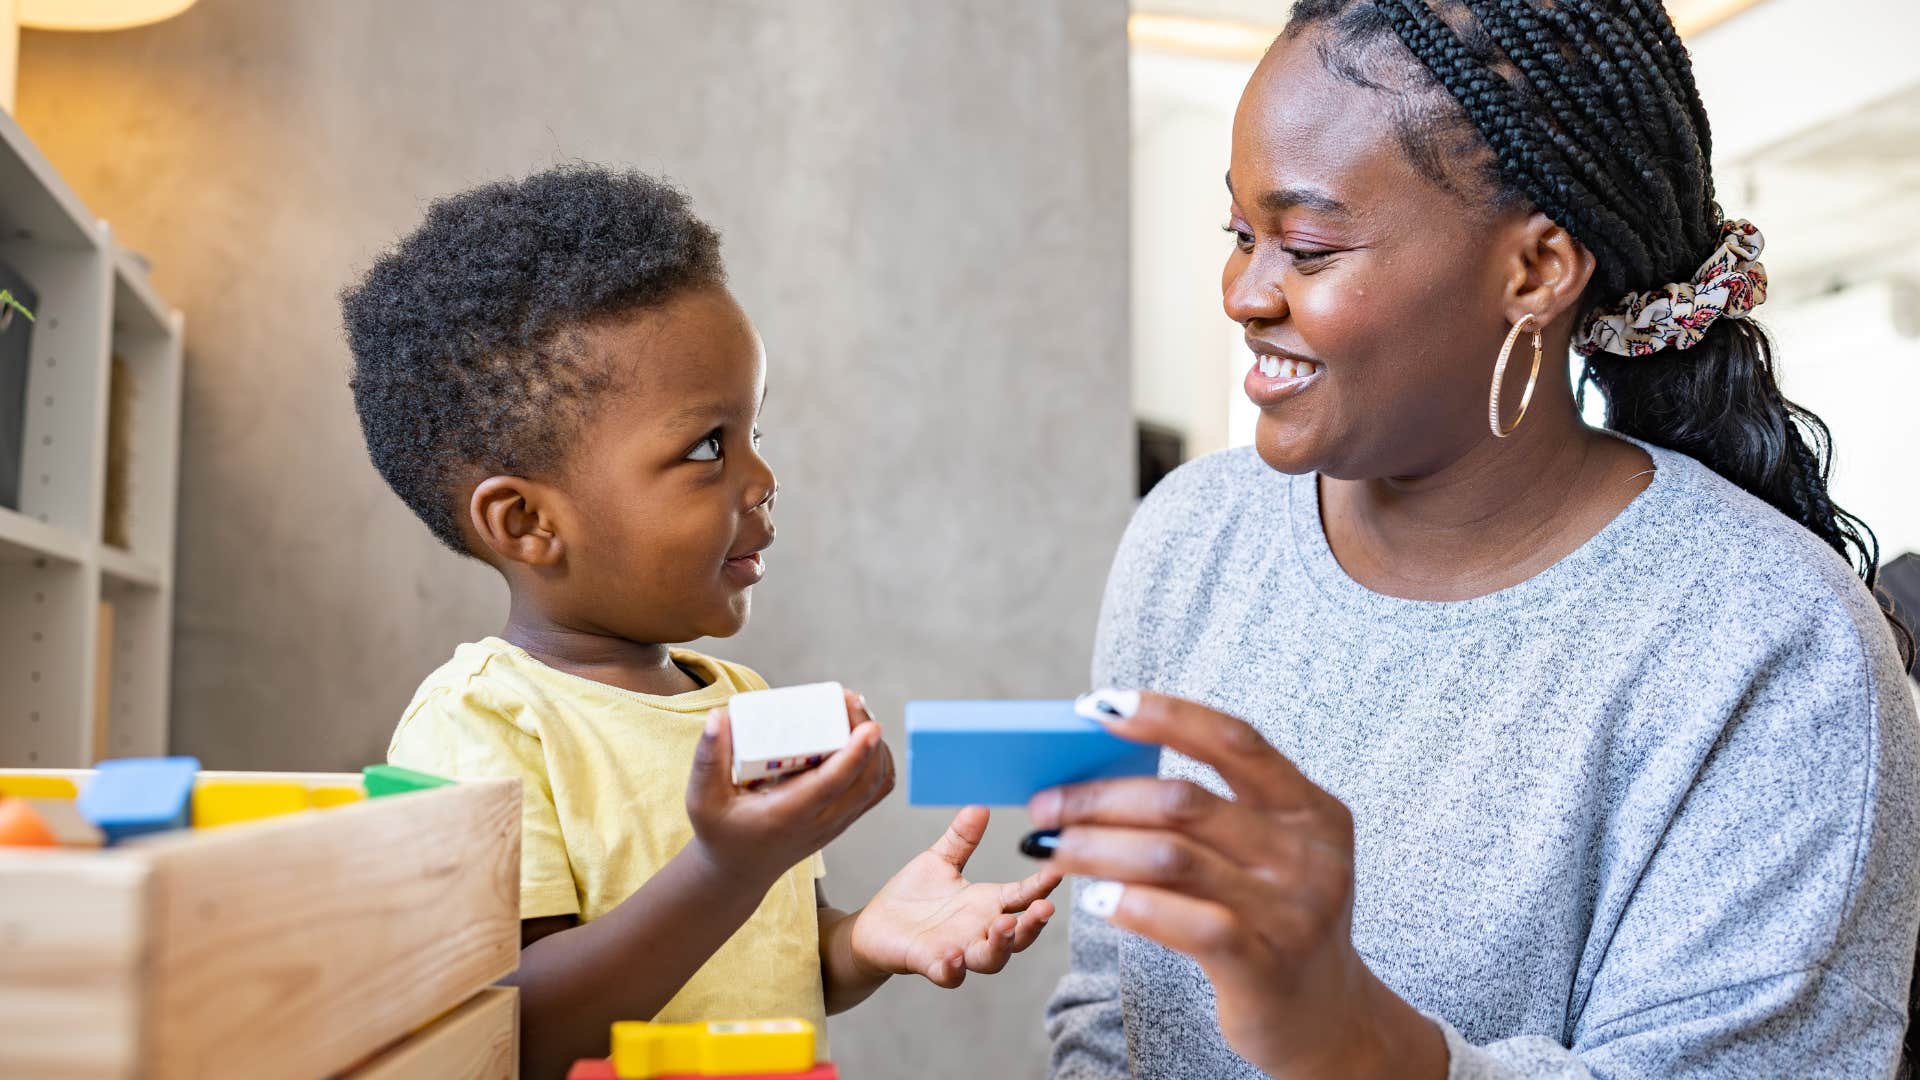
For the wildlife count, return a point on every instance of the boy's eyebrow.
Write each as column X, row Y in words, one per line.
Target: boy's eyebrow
column 1288, row 198
column 700, row 413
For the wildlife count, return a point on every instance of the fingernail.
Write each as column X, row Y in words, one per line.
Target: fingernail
column 1040, row 843
column 713, row 723
column 1045, row 808
column 862, row 699
column 1107, row 706
column 1100, row 899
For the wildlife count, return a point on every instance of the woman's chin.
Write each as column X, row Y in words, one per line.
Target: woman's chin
column 1285, row 448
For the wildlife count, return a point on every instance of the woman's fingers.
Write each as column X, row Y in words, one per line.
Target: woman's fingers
column 1208, row 931
column 1257, row 773
column 1169, row 860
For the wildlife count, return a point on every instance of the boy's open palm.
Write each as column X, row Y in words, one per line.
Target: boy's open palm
column 931, row 920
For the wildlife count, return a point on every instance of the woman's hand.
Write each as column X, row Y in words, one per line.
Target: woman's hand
column 1257, row 888
column 931, row 920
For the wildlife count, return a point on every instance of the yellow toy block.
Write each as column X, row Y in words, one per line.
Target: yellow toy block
column 336, row 795
column 226, row 802
column 38, row 787
column 642, row 1051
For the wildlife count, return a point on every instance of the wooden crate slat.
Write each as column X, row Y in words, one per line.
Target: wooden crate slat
column 480, row 1040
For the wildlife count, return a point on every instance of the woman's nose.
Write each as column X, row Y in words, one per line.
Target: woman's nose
column 1248, row 294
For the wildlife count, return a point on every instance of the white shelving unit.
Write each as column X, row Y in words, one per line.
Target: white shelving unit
column 59, row 650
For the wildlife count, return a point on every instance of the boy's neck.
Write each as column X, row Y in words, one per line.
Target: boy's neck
column 630, row 665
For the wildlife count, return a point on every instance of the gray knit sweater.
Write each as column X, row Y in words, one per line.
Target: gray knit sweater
column 1650, row 813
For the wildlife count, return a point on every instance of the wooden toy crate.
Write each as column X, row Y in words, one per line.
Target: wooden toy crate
column 290, row 947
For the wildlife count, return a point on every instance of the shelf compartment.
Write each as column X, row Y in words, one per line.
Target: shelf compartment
column 138, row 311
column 129, row 717
column 48, row 661
column 65, row 401
column 35, row 204
column 143, row 421
column 23, row 538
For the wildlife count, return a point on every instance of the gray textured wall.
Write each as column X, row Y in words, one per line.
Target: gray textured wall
column 925, row 208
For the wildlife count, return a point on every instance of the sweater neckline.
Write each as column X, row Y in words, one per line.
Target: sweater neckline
column 1575, row 575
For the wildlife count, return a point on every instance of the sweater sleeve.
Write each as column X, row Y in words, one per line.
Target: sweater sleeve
column 1771, row 930
column 1084, row 1019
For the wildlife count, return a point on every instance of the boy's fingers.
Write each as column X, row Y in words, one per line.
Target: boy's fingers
column 712, row 774
column 826, row 783
column 873, row 784
column 991, row 953
column 962, row 837
column 857, row 713
column 948, row 971
column 1032, row 921
column 1019, row 895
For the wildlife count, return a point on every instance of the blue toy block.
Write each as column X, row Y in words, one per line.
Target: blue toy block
column 1002, row 753
column 135, row 796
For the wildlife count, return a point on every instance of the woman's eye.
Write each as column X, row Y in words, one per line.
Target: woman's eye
column 1242, row 239
column 1306, row 258
column 708, row 449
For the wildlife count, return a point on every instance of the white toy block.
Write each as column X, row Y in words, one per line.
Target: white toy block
column 786, row 730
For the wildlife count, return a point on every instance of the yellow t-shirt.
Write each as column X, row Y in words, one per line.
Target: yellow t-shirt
column 603, row 773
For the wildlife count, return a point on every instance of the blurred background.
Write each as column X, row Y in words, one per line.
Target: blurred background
column 981, row 240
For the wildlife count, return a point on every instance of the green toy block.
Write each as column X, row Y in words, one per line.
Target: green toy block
column 394, row 780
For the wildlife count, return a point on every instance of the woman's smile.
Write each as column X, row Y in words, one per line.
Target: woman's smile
column 1276, row 375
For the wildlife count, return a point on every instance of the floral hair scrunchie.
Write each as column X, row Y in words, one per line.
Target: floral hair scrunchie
column 1729, row 285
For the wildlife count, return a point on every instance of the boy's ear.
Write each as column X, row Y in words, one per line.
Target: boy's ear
column 517, row 519
column 1550, row 271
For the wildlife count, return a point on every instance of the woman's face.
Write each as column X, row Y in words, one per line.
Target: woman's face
column 1370, row 295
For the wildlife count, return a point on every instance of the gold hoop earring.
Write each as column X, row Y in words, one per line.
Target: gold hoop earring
column 1527, row 324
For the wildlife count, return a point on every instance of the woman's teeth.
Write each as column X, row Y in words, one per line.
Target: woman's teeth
column 1273, row 367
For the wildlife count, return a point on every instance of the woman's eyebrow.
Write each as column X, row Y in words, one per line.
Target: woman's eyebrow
column 1288, row 198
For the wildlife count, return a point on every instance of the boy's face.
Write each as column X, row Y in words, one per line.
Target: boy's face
column 671, row 502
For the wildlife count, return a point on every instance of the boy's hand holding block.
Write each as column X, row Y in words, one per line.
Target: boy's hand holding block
column 776, row 732
column 1002, row 753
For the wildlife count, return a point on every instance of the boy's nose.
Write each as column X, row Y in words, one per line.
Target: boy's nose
column 766, row 500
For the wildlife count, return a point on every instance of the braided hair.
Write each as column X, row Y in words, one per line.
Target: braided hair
column 1587, row 110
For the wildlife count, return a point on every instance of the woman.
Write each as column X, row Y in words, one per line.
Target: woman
column 1564, row 754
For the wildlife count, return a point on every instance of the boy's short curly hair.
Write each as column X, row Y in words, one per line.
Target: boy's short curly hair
column 466, row 336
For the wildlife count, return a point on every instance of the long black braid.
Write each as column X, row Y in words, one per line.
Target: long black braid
column 1587, row 110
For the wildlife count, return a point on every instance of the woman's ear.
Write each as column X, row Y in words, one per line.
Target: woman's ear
column 1550, row 271
column 517, row 519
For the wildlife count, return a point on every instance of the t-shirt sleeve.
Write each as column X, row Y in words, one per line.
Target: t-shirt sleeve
column 460, row 736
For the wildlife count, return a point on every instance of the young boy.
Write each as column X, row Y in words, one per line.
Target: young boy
column 553, row 375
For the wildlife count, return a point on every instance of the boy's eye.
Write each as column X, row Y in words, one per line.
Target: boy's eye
column 707, row 449
column 756, row 438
